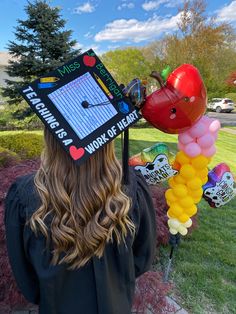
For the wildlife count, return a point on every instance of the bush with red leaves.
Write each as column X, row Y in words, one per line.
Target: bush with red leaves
column 150, row 294
column 159, row 202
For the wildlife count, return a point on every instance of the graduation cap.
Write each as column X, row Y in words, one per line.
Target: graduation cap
column 83, row 106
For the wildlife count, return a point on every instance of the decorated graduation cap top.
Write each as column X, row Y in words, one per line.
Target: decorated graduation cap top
column 82, row 105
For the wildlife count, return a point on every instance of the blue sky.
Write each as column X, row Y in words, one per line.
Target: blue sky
column 108, row 24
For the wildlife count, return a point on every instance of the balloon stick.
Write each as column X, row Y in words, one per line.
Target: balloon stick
column 174, row 241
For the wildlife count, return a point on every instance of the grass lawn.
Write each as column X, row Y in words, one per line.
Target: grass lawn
column 204, row 267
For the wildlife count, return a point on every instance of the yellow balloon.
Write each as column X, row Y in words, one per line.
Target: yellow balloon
column 197, row 199
column 176, row 210
column 180, row 190
column 204, row 180
column 179, row 179
column 197, row 193
column 187, row 201
column 203, row 173
column 194, row 184
column 199, row 162
column 182, row 158
column 171, row 182
column 183, row 218
column 190, row 211
column 170, row 197
column 170, row 214
column 187, row 171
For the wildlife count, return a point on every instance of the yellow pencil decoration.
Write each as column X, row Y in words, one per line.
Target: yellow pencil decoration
column 103, row 86
column 50, row 79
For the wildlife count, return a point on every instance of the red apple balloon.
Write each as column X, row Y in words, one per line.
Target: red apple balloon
column 179, row 103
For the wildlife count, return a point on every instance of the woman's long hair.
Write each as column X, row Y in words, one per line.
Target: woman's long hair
column 84, row 205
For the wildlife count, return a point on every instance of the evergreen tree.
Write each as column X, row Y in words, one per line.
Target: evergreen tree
column 42, row 44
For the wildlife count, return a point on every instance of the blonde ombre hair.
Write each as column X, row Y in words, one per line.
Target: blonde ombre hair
column 84, row 205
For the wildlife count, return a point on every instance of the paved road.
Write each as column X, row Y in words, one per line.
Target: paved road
column 226, row 119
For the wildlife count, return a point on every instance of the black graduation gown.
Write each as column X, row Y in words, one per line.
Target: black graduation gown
column 103, row 286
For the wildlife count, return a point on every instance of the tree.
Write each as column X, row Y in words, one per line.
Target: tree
column 126, row 64
column 41, row 45
column 155, row 54
column 205, row 43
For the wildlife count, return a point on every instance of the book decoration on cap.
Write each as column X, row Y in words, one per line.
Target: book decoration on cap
column 82, row 105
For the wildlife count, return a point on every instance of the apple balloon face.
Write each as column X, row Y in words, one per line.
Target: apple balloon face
column 176, row 106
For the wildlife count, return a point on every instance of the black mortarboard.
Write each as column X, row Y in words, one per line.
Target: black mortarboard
column 82, row 105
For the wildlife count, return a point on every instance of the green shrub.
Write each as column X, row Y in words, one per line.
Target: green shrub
column 18, row 117
column 25, row 144
column 29, row 123
column 8, row 157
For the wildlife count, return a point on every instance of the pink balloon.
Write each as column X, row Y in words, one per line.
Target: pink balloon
column 214, row 126
column 215, row 135
column 185, row 138
column 181, row 146
column 192, row 149
column 208, row 152
column 198, row 129
column 206, row 120
column 206, row 141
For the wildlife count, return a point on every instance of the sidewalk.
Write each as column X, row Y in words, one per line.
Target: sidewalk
column 177, row 309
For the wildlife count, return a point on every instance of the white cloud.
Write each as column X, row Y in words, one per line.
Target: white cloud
column 153, row 5
column 173, row 3
column 227, row 13
column 125, row 5
column 137, row 31
column 86, row 7
column 88, row 35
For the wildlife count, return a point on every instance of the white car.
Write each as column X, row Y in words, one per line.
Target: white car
column 221, row 105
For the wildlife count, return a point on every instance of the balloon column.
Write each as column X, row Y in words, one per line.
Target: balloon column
column 196, row 149
column 178, row 107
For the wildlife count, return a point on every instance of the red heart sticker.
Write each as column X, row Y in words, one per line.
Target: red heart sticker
column 76, row 153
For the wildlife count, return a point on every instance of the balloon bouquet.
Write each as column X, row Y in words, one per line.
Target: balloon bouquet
column 178, row 107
